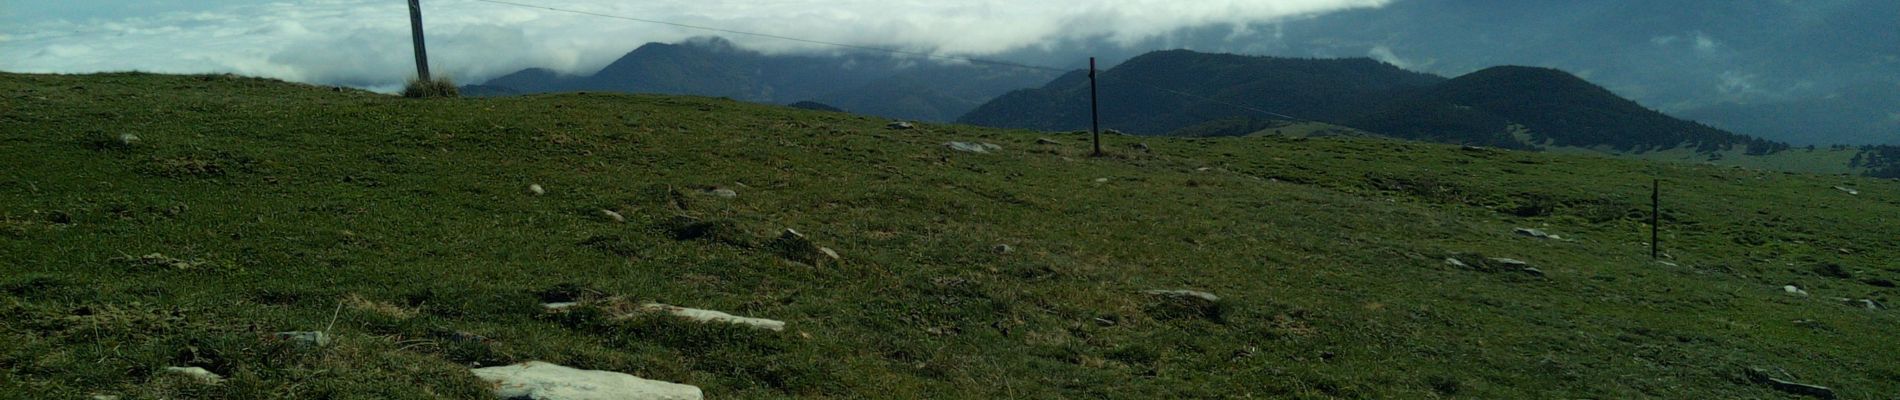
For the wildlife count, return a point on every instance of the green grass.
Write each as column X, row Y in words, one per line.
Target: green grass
column 403, row 226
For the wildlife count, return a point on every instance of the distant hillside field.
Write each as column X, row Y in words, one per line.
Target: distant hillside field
column 873, row 84
column 150, row 222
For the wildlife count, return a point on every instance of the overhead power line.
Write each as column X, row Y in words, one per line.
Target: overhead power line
column 971, row 60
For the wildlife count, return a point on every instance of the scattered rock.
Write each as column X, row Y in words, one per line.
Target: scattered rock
column 105, row 397
column 543, row 381
column 201, row 374
column 714, row 316
column 304, row 339
column 1101, row 180
column 1203, row 169
column 558, row 306
column 1848, row 190
column 1863, row 303
column 1510, row 262
column 1494, row 265
column 1142, row 147
column 901, row 125
column 1113, row 132
column 1002, row 249
column 1667, row 263
column 1474, row 148
column 1186, row 303
column 1048, row 142
column 968, row 147
column 610, row 214
column 1537, row 234
column 128, row 139
column 796, row 247
column 1794, row 290
column 537, row 190
column 723, row 193
column 1762, row 377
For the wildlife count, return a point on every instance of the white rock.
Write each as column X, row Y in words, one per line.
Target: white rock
column 128, row 139
column 1792, row 289
column 1848, row 190
column 537, row 190
column 543, row 381
column 829, row 253
column 196, row 372
column 1537, row 234
column 305, row 339
column 1101, row 180
column 723, row 193
column 558, row 306
column 1511, row 262
column 1210, row 297
column 1455, row 263
column 968, row 147
column 610, row 214
column 714, row 316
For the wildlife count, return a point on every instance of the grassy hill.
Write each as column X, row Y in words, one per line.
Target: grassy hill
column 406, row 230
column 864, row 83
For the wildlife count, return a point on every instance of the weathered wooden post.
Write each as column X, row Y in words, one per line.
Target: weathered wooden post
column 415, row 30
column 1095, row 110
column 1655, row 219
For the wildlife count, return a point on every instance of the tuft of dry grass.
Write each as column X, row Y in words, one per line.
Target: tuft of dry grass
column 438, row 87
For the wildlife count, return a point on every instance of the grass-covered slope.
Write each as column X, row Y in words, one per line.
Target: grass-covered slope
column 405, row 229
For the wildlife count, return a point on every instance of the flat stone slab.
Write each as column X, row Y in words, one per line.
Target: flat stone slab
column 968, row 147
column 714, row 316
column 543, row 381
column 203, row 375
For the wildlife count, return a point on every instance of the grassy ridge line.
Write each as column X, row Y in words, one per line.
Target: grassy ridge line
column 1332, row 276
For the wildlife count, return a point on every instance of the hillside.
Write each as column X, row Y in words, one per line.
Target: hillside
column 873, row 84
column 1524, row 107
column 1509, row 107
column 407, row 230
column 1322, row 90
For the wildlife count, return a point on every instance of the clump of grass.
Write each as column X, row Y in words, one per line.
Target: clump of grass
column 438, row 87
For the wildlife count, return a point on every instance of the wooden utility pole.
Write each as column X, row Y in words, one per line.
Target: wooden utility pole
column 415, row 30
column 1655, row 219
column 1095, row 110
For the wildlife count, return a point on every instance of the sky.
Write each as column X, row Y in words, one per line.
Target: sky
column 365, row 43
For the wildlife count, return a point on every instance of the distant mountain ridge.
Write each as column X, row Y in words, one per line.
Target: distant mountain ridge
column 1512, row 107
column 866, row 83
column 1321, row 89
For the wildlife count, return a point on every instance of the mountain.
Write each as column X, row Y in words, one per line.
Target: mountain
column 1677, row 56
column 1528, row 107
column 1867, row 113
column 1513, row 107
column 1137, row 99
column 866, row 83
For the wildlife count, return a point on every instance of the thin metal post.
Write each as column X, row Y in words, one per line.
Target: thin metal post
column 1095, row 110
column 1655, row 219
column 415, row 29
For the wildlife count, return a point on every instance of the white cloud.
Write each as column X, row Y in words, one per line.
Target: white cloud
column 1384, row 54
column 1704, row 43
column 366, row 42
